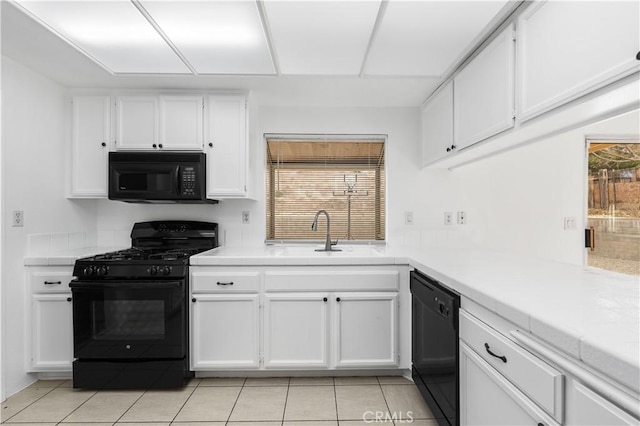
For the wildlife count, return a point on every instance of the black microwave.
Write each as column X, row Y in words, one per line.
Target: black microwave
column 158, row 177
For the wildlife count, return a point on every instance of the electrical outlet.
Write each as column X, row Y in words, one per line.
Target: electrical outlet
column 18, row 218
column 448, row 218
column 246, row 218
column 462, row 218
column 408, row 218
column 570, row 223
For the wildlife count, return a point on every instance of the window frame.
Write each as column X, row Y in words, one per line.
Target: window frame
column 321, row 137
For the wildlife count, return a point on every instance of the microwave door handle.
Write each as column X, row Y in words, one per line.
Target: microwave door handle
column 178, row 182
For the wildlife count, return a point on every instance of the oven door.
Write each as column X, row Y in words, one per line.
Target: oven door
column 129, row 319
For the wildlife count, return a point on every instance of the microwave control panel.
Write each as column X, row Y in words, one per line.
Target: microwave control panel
column 188, row 179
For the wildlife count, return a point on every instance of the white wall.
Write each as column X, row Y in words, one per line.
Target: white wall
column 517, row 200
column 34, row 136
column 400, row 124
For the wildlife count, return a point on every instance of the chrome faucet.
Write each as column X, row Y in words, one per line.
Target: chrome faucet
column 314, row 227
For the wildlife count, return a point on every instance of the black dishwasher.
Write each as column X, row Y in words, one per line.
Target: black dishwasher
column 435, row 346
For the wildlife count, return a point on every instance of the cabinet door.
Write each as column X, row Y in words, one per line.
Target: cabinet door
column 437, row 126
column 226, row 146
column 224, row 331
column 51, row 332
column 366, row 329
column 568, row 49
column 589, row 408
column 487, row 398
column 137, row 122
column 181, row 122
column 91, row 138
column 484, row 92
column 295, row 330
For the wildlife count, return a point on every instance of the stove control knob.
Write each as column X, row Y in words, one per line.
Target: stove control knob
column 88, row 270
column 153, row 270
column 102, row 270
column 166, row 270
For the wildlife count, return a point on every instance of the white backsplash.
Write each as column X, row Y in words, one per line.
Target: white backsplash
column 60, row 242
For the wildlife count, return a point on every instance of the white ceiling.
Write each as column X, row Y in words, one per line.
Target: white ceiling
column 304, row 52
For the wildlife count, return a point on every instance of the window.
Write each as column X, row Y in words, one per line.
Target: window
column 342, row 175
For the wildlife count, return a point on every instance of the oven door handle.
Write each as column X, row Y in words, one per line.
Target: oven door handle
column 137, row 285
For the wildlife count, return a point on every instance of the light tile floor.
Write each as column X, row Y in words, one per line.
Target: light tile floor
column 296, row 401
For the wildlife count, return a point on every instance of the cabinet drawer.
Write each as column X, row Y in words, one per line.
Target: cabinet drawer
column 222, row 282
column 50, row 280
column 331, row 280
column 538, row 380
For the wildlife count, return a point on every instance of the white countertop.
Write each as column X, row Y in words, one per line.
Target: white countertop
column 592, row 315
column 271, row 255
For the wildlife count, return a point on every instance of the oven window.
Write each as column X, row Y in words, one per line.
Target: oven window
column 128, row 319
column 147, row 181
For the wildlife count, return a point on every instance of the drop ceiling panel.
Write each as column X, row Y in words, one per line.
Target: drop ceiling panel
column 215, row 37
column 426, row 38
column 113, row 33
column 321, row 37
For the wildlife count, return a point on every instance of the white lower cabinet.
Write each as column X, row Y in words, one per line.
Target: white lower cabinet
column 360, row 328
column 50, row 319
column 292, row 318
column 366, row 329
column 224, row 331
column 487, row 398
column 509, row 377
column 296, row 330
column 588, row 408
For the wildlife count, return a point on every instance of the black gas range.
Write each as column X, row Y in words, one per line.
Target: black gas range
column 130, row 310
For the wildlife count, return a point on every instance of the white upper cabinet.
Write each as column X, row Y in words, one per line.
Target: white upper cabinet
column 91, row 136
column 567, row 49
column 159, row 123
column 181, row 122
column 226, row 146
column 484, row 92
column 137, row 122
column 437, row 126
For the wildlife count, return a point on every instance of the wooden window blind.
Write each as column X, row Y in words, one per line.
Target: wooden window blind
column 345, row 177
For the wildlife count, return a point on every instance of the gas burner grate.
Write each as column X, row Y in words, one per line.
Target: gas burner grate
column 126, row 254
column 174, row 254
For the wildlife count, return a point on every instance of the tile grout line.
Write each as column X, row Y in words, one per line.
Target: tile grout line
column 335, row 400
column 74, row 410
column 131, row 406
column 183, row 404
column 29, row 405
column 385, row 399
column 236, row 401
column 284, row 411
